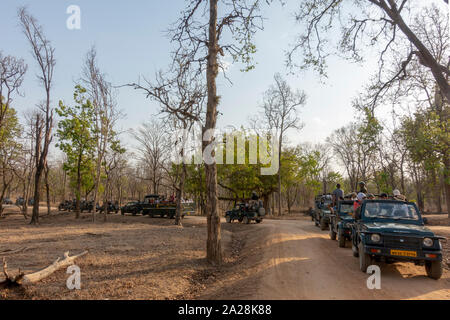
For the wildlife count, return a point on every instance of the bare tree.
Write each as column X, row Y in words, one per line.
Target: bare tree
column 153, row 151
column 44, row 54
column 12, row 72
column 106, row 112
column 200, row 36
column 384, row 25
column 280, row 113
column 181, row 96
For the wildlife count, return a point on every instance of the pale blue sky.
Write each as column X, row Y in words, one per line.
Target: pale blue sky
column 129, row 37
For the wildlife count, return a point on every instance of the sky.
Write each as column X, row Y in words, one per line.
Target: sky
column 130, row 40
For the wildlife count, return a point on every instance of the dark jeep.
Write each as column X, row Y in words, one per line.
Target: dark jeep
column 111, row 207
column 246, row 213
column 323, row 211
column 341, row 221
column 131, row 207
column 389, row 231
column 7, row 201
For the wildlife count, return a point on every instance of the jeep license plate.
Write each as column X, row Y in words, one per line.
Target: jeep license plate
column 403, row 253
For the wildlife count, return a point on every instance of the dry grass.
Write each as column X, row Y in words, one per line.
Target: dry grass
column 129, row 257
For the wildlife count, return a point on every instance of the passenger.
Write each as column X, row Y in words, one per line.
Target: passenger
column 337, row 194
column 254, row 202
column 362, row 187
column 384, row 196
column 357, row 206
column 398, row 195
column 370, row 196
column 354, row 196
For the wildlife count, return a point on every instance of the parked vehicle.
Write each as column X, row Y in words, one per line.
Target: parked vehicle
column 323, row 211
column 66, row 205
column 111, row 207
column 245, row 213
column 7, row 201
column 156, row 205
column 389, row 231
column 131, row 207
column 20, row 201
column 340, row 222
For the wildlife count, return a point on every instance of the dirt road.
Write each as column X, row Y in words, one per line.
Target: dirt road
column 300, row 262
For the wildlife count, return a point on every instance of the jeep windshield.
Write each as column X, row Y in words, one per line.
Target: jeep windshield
column 346, row 208
column 391, row 210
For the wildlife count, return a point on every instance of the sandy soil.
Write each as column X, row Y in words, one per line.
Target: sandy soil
column 129, row 257
column 143, row 258
column 292, row 259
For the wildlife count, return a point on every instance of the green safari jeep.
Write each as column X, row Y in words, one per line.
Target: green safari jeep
column 390, row 231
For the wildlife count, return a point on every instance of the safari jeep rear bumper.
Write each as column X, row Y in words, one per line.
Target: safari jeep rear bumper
column 420, row 255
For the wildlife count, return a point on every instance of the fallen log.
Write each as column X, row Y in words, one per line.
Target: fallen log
column 27, row 279
column 11, row 251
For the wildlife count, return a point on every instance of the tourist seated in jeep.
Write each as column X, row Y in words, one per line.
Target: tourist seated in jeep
column 392, row 230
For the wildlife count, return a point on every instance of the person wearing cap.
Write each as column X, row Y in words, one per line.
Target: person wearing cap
column 357, row 205
column 398, row 195
column 362, row 187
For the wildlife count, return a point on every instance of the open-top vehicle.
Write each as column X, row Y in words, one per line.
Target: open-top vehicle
column 7, row 201
column 389, row 231
column 322, row 213
column 133, row 207
column 112, row 207
column 340, row 222
column 156, row 205
column 246, row 213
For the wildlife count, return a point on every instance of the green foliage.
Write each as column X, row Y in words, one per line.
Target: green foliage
column 10, row 128
column 76, row 137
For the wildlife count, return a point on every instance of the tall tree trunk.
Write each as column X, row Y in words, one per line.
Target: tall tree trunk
column 78, row 195
column 447, row 182
column 47, row 188
column 38, row 173
column 213, row 245
column 180, row 189
column 279, row 174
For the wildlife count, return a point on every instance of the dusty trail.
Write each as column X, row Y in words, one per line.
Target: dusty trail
column 300, row 262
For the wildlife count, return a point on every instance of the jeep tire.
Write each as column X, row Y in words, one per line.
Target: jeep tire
column 332, row 232
column 434, row 269
column 341, row 239
column 323, row 225
column 355, row 251
column 365, row 260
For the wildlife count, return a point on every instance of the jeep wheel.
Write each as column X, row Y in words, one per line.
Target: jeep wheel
column 341, row 239
column 434, row 269
column 323, row 225
column 365, row 260
column 246, row 220
column 355, row 251
column 228, row 219
column 259, row 220
column 332, row 233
